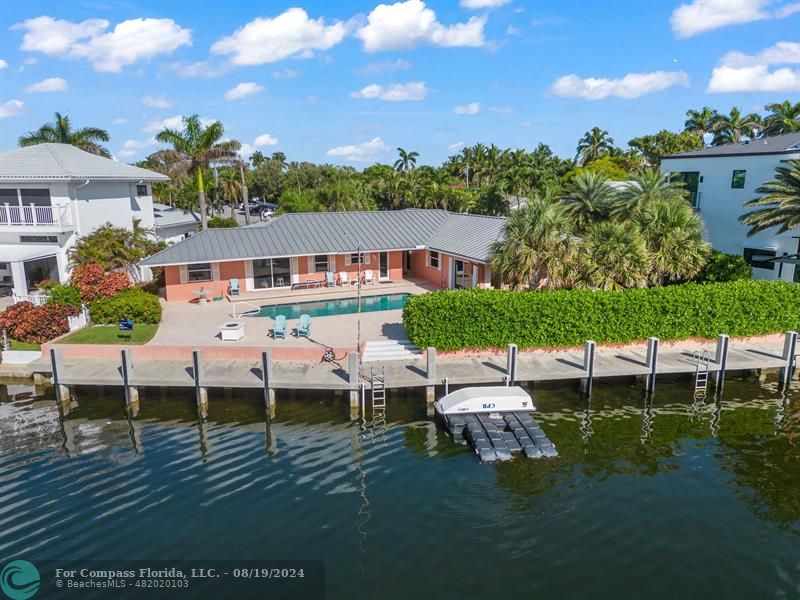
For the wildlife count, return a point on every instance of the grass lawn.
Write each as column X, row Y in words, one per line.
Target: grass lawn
column 17, row 345
column 110, row 334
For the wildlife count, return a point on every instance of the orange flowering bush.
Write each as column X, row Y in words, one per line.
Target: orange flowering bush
column 94, row 282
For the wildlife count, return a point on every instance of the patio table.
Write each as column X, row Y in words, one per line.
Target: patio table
column 202, row 295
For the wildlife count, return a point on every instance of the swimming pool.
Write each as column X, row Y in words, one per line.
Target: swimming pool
column 327, row 308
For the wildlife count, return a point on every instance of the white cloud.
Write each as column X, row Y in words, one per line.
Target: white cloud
column 3, row 64
column 395, row 92
column 157, row 101
column 511, row 30
column 133, row 147
column 364, row 152
column 291, row 33
column 200, row 68
column 129, row 42
column 243, row 90
column 385, row 66
column 11, row 108
column 246, row 150
column 632, row 85
column 705, row 15
column 739, row 72
column 473, row 108
column 30, row 60
column 286, row 74
column 51, row 84
column 175, row 122
column 456, row 146
column 405, row 25
column 479, row 4
column 265, row 139
column 119, row 121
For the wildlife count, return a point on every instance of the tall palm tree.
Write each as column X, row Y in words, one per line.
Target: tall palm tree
column 60, row 131
column 673, row 233
column 780, row 205
column 593, row 145
column 194, row 149
column 406, row 162
column 537, row 249
column 230, row 184
column 784, row 117
column 733, row 127
column 613, row 256
column 589, row 199
column 700, row 121
column 648, row 186
column 257, row 159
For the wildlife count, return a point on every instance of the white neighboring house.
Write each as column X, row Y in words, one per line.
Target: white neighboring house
column 721, row 179
column 51, row 195
column 174, row 224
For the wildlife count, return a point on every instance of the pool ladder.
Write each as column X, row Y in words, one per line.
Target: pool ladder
column 701, row 360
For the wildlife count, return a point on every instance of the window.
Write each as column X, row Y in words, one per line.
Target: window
column 691, row 181
column 737, row 181
column 755, row 258
column 433, row 259
column 9, row 197
column 272, row 272
column 199, row 272
column 37, row 197
column 4, row 266
column 320, row 263
column 141, row 190
column 354, row 258
column 38, row 239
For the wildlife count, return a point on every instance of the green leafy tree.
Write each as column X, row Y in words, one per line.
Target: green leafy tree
column 613, row 256
column 779, row 206
column 60, row 131
column 594, row 144
column 725, row 267
column 115, row 248
column 195, row 148
column 406, row 161
column 293, row 200
column 783, row 117
column 221, row 223
column 257, row 159
column 655, row 147
column 589, row 199
column 646, row 187
column 734, row 127
column 230, row 184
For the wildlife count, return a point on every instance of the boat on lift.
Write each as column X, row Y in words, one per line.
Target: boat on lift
column 492, row 399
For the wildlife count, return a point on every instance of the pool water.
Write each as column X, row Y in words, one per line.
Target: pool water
column 327, row 308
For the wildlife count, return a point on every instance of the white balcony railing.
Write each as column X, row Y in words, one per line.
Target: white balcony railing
column 34, row 216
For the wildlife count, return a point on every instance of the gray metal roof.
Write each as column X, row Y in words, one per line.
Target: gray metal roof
column 299, row 234
column 167, row 216
column 775, row 144
column 63, row 162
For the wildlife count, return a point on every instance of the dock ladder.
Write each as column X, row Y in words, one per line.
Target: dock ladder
column 377, row 385
column 701, row 360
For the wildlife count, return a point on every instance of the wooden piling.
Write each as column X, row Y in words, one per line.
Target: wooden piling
column 652, row 364
column 589, row 350
column 130, row 391
column 511, row 364
column 721, row 358
column 430, row 374
column 353, row 379
column 201, row 393
column 789, row 350
column 266, row 374
column 63, row 392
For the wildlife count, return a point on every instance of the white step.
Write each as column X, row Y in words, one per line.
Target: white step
column 390, row 350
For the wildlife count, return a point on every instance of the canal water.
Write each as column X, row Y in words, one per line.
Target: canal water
column 660, row 498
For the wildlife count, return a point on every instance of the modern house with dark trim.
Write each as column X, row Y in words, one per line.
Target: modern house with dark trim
column 721, row 179
column 445, row 249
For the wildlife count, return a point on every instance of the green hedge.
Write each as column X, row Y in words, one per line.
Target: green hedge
column 133, row 304
column 452, row 320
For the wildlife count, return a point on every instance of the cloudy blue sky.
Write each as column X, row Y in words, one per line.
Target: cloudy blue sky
column 348, row 81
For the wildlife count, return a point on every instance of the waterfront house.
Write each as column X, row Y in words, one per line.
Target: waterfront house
column 173, row 224
column 721, row 179
column 296, row 250
column 50, row 196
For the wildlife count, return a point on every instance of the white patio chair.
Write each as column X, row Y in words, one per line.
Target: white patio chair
column 344, row 278
column 369, row 277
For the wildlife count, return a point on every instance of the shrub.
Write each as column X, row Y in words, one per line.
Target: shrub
column 66, row 295
column 222, row 222
column 36, row 324
column 452, row 320
column 94, row 282
column 135, row 304
column 725, row 267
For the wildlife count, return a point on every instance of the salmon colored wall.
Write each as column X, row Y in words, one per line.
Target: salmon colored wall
column 395, row 265
column 420, row 268
column 182, row 292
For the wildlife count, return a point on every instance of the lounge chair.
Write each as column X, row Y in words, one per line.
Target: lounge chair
column 279, row 329
column 344, row 278
column 304, row 327
column 233, row 286
column 369, row 277
column 329, row 279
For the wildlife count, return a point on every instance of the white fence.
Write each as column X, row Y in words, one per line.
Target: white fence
column 36, row 216
column 36, row 299
column 80, row 320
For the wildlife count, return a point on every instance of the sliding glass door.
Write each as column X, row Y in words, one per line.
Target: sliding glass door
column 271, row 272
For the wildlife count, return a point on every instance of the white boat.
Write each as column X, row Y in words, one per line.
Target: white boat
column 485, row 400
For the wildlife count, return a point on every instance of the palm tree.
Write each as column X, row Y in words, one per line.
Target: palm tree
column 257, row 159
column 784, row 117
column 194, row 149
column 593, row 145
column 60, row 131
column 780, row 205
column 406, row 162
column 589, row 199
column 613, row 256
column 230, row 185
column 732, row 128
column 648, row 186
column 115, row 248
column 673, row 233
column 700, row 121
column 537, row 251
